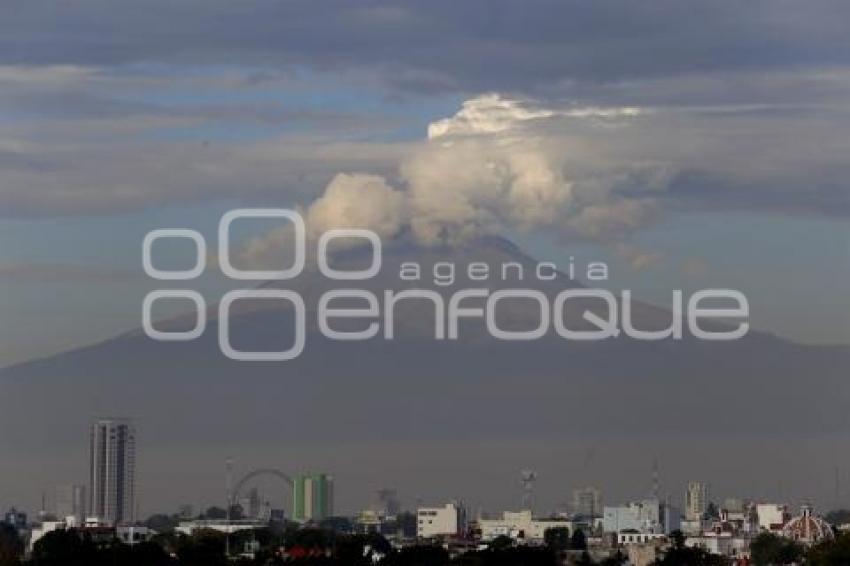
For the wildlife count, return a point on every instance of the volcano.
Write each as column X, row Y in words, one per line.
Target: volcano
column 433, row 416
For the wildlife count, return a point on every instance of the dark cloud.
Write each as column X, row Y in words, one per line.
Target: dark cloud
column 437, row 45
column 746, row 103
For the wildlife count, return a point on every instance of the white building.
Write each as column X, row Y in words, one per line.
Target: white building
column 448, row 520
column 631, row 536
column 726, row 544
column 647, row 516
column 520, row 526
column 220, row 525
column 772, row 517
column 128, row 534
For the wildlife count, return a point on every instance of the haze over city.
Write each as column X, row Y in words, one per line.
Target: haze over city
column 683, row 147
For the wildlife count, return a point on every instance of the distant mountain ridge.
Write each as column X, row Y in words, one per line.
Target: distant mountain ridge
column 409, row 395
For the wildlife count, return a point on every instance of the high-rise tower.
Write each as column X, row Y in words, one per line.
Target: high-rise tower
column 112, row 470
column 312, row 497
column 696, row 501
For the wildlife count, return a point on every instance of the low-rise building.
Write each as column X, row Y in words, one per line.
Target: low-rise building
column 220, row 525
column 520, row 526
column 647, row 516
column 730, row 545
column 772, row 517
column 632, row 536
column 448, row 520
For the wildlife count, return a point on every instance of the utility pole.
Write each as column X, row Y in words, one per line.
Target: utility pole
column 228, row 498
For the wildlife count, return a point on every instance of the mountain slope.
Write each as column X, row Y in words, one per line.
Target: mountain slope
column 422, row 409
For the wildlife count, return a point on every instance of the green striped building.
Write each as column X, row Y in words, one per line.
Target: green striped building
column 312, row 497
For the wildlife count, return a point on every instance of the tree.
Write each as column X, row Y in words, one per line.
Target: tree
column 420, row 555
column 162, row 523
column 615, row 560
column 139, row 554
column 522, row 555
column 830, row 553
column 768, row 549
column 337, row 524
column 203, row 548
column 578, row 541
column 677, row 537
column 65, row 547
column 311, row 538
column 11, row 546
column 557, row 538
column 501, row 542
column 361, row 549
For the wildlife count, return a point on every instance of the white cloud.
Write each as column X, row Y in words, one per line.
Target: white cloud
column 485, row 114
column 44, row 74
column 491, row 114
column 505, row 164
column 481, row 171
column 481, row 185
column 358, row 200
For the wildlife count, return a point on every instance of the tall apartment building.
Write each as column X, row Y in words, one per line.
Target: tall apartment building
column 112, row 471
column 312, row 497
column 696, row 501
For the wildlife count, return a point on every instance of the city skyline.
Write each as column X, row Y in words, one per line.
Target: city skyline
column 110, row 494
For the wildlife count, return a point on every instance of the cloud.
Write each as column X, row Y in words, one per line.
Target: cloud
column 492, row 113
column 497, row 164
column 636, row 257
column 64, row 272
column 481, row 45
column 481, row 171
column 54, row 178
column 86, row 140
column 28, row 75
column 486, row 114
column 483, row 185
column 358, row 200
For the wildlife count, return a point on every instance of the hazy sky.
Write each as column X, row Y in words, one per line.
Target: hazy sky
column 116, row 121
column 687, row 144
